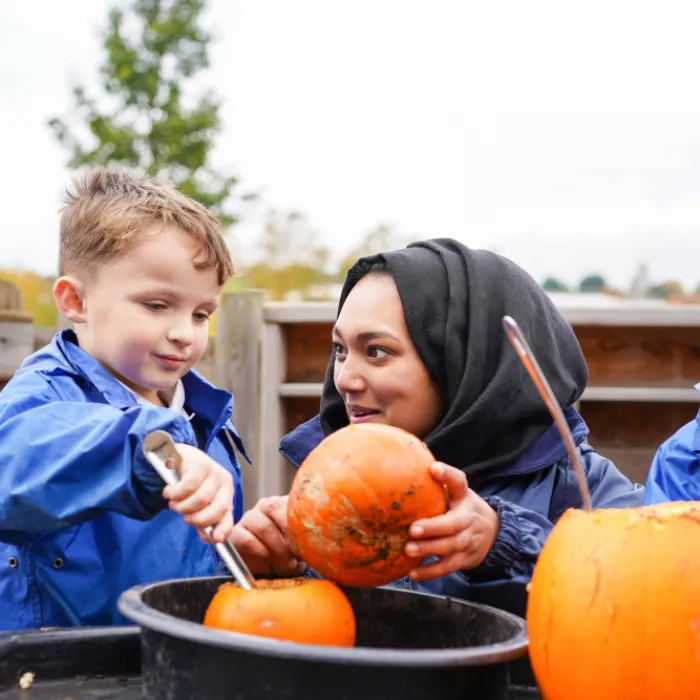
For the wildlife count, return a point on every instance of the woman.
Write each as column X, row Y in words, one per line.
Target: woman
column 419, row 344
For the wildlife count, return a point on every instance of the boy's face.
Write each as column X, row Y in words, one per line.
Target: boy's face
column 146, row 313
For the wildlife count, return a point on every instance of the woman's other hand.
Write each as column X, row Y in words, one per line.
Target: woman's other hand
column 461, row 538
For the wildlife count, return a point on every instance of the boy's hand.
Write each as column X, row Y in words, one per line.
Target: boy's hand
column 261, row 538
column 204, row 494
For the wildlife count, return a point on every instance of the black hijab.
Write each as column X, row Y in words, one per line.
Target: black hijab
column 454, row 299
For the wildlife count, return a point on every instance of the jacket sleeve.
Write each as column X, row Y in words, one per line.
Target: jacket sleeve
column 673, row 475
column 523, row 532
column 65, row 462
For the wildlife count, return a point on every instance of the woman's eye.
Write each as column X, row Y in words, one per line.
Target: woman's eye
column 376, row 353
column 155, row 305
column 339, row 350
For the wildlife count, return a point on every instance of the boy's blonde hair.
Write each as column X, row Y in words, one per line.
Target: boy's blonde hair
column 106, row 211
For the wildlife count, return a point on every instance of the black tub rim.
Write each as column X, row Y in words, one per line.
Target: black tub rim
column 132, row 606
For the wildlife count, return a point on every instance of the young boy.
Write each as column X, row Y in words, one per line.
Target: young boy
column 83, row 515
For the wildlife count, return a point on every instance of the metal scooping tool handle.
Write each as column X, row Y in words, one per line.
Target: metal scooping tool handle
column 527, row 357
column 158, row 447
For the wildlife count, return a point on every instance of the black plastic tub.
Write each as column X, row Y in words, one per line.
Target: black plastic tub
column 410, row 646
column 80, row 664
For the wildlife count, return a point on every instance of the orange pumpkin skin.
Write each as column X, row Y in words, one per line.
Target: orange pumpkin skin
column 353, row 500
column 307, row 611
column 614, row 605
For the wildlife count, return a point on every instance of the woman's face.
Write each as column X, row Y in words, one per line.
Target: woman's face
column 377, row 370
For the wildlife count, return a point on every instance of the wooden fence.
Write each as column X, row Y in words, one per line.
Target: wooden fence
column 643, row 362
column 643, row 359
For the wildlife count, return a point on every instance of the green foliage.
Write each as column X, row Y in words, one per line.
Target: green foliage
column 148, row 118
column 380, row 239
column 666, row 290
column 552, row 284
column 37, row 296
column 291, row 258
column 592, row 283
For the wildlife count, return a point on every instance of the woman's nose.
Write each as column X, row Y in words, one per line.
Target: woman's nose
column 348, row 379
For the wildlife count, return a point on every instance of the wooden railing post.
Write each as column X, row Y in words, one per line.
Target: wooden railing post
column 16, row 331
column 272, row 473
column 239, row 321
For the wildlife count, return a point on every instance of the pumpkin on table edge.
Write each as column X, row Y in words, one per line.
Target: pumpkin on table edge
column 353, row 499
column 307, row 611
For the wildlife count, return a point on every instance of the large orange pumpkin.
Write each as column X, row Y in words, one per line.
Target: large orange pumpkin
column 308, row 611
column 614, row 605
column 353, row 500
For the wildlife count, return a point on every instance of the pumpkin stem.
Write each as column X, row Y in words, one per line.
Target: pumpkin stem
column 517, row 339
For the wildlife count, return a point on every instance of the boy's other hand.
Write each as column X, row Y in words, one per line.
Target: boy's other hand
column 261, row 538
column 204, row 494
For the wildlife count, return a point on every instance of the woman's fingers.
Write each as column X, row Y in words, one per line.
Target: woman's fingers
column 454, row 480
column 450, row 523
column 440, row 547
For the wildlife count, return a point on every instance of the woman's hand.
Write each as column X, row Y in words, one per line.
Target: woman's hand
column 462, row 537
column 261, row 538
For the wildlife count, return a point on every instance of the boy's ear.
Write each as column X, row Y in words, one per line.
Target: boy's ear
column 68, row 293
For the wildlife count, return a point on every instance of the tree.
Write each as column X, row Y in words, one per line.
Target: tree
column 380, row 239
column 288, row 238
column 148, row 118
column 552, row 284
column 592, row 283
column 667, row 289
column 291, row 257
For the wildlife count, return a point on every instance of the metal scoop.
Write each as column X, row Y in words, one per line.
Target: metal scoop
column 517, row 339
column 158, row 447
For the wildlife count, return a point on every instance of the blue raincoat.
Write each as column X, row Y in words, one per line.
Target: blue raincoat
column 674, row 472
column 82, row 517
column 529, row 496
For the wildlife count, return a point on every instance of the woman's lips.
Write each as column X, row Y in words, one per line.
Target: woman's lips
column 358, row 414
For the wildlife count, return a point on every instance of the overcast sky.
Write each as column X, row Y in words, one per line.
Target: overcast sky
column 566, row 139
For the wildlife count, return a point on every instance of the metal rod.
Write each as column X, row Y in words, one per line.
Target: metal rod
column 158, row 447
column 516, row 337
